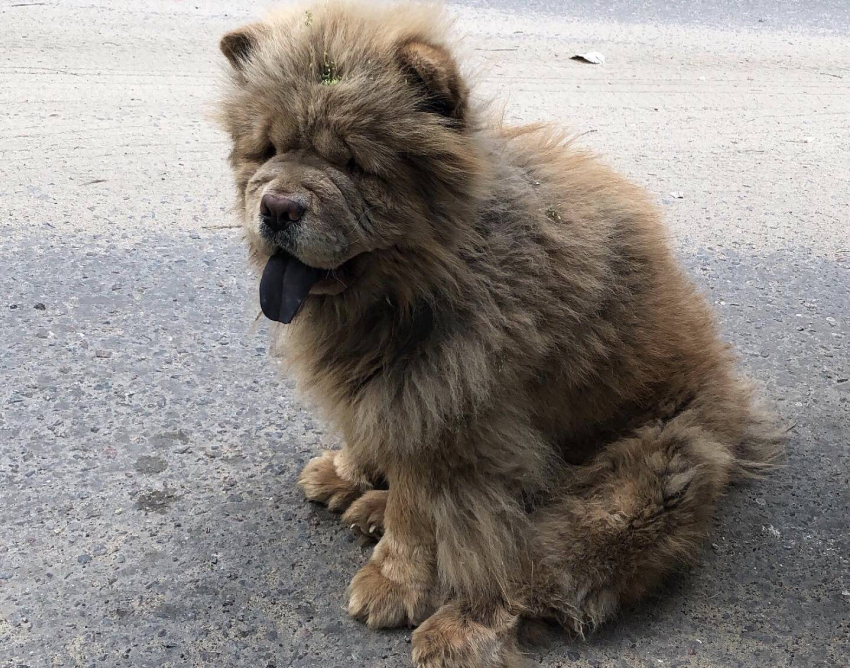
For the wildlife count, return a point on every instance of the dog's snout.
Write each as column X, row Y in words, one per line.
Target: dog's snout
column 280, row 211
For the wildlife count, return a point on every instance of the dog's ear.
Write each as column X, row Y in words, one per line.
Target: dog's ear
column 433, row 72
column 239, row 45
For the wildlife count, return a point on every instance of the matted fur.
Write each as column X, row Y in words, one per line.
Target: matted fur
column 511, row 347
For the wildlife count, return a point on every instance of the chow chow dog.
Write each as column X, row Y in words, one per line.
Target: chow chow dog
column 538, row 414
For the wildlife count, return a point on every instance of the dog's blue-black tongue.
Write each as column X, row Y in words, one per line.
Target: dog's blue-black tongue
column 285, row 283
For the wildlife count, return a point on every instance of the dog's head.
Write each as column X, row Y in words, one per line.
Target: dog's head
column 351, row 143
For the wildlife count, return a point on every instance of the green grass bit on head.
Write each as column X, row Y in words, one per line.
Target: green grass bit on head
column 329, row 75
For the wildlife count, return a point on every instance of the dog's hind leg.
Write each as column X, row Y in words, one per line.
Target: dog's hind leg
column 626, row 519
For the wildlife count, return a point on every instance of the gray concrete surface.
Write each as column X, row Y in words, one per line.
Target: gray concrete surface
column 826, row 16
column 148, row 448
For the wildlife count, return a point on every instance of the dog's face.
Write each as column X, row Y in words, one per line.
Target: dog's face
column 349, row 138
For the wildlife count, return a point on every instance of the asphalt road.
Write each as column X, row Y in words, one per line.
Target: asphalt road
column 149, row 448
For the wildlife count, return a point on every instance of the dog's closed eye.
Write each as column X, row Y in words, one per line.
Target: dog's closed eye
column 268, row 152
column 353, row 167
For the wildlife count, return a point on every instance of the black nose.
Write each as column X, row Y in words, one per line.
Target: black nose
column 280, row 211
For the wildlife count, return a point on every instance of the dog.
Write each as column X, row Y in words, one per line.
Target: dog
column 538, row 414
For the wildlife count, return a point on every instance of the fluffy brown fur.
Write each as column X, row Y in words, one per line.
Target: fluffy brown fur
column 508, row 343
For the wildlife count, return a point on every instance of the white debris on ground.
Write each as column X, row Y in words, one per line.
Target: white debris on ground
column 592, row 57
column 772, row 530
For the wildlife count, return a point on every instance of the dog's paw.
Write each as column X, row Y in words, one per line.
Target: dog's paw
column 384, row 603
column 451, row 639
column 320, row 481
column 366, row 514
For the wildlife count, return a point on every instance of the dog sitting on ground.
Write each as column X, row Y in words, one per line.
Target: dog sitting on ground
column 538, row 414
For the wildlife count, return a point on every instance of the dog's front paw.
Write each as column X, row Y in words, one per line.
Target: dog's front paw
column 384, row 603
column 453, row 639
column 366, row 514
column 320, row 481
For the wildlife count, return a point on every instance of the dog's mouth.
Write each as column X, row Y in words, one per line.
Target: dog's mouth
column 287, row 281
